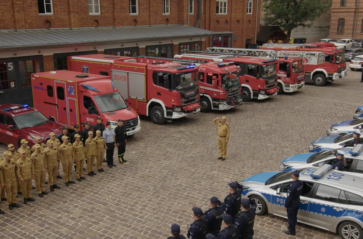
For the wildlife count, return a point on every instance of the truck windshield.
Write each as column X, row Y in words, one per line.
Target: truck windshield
column 185, row 80
column 30, row 120
column 339, row 58
column 229, row 80
column 297, row 66
column 268, row 70
column 110, row 102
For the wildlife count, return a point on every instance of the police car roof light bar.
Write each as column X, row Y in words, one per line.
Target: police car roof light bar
column 320, row 172
column 357, row 150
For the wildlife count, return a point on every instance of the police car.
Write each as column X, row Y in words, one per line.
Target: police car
column 330, row 200
column 332, row 142
column 358, row 113
column 345, row 127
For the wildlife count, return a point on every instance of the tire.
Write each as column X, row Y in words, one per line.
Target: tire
column 205, row 105
column 246, row 95
column 280, row 89
column 261, row 208
column 157, row 115
column 319, row 79
column 350, row 230
column 352, row 69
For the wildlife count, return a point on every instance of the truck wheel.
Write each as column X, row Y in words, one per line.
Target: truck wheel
column 205, row 105
column 246, row 95
column 157, row 115
column 280, row 89
column 348, row 230
column 261, row 207
column 319, row 79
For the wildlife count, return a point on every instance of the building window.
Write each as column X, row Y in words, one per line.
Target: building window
column 222, row 40
column 340, row 28
column 191, row 6
column 166, row 6
column 343, row 3
column 94, row 7
column 249, row 6
column 134, row 7
column 189, row 46
column 45, row 7
column 131, row 51
column 7, row 76
column 26, row 69
column 221, row 6
column 160, row 50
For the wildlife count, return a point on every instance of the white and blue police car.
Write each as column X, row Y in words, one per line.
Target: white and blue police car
column 358, row 113
column 330, row 200
column 332, row 142
column 345, row 127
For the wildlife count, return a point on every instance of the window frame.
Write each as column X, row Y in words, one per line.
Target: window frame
column 189, row 44
column 50, row 88
column 341, row 26
column 219, row 7
column 137, row 7
column 343, row 3
column 166, row 6
column 93, row 7
column 249, row 7
column 191, row 7
column 51, row 7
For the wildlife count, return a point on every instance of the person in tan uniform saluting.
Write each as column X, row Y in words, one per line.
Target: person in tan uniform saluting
column 91, row 152
column 15, row 156
column 39, row 142
column 25, row 147
column 8, row 169
column 79, row 155
column 39, row 167
column 51, row 165
column 56, row 144
column 100, row 144
column 66, row 157
column 223, row 136
column 25, row 173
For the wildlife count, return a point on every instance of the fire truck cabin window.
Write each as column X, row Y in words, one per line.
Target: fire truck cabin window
column 50, row 90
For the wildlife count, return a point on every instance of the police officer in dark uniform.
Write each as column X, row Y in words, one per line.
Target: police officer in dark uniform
column 121, row 140
column 214, row 216
column 175, row 232
column 232, row 202
column 64, row 133
column 84, row 133
column 210, row 236
column 76, row 131
column 340, row 164
column 230, row 230
column 198, row 229
column 245, row 220
column 292, row 202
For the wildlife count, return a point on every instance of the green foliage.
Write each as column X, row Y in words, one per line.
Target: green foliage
column 290, row 14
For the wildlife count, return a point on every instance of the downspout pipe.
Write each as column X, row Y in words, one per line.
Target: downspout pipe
column 355, row 18
column 200, row 12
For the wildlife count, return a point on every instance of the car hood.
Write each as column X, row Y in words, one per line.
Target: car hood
column 125, row 114
column 339, row 44
column 298, row 158
column 260, row 177
column 326, row 140
column 343, row 123
column 44, row 129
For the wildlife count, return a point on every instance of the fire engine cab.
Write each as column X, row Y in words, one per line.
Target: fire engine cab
column 155, row 89
column 71, row 98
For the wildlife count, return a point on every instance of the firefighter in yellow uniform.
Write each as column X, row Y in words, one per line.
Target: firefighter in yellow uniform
column 51, row 165
column 8, row 169
column 100, row 144
column 39, row 142
column 79, row 156
column 56, row 144
column 25, row 173
column 15, row 156
column 66, row 157
column 91, row 152
column 2, row 190
column 24, row 146
column 223, row 136
column 1, row 187
column 38, row 160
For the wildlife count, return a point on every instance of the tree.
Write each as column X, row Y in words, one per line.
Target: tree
column 290, row 14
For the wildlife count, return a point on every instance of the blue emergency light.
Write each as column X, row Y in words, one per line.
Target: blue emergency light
column 88, row 87
column 15, row 107
column 320, row 172
column 357, row 150
column 185, row 67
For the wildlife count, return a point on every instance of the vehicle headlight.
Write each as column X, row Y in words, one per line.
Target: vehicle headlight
column 262, row 91
column 359, row 111
column 311, row 147
column 177, row 109
column 316, row 146
column 283, row 167
column 222, row 102
column 333, row 129
column 32, row 136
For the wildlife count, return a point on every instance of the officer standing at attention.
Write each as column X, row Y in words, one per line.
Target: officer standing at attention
column 233, row 201
column 341, row 163
column 214, row 216
column 121, row 141
column 91, row 152
column 101, row 145
column 101, row 127
column 2, row 189
column 51, row 164
column 56, row 144
column 66, row 157
column 292, row 202
column 223, row 136
column 76, row 131
column 25, row 173
column 79, row 155
column 175, row 232
column 245, row 220
column 85, row 131
column 230, row 230
column 24, row 146
column 109, row 136
column 198, row 229
column 15, row 156
column 8, row 169
column 38, row 159
column 39, row 142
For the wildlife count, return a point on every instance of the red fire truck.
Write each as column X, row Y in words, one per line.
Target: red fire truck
column 70, row 98
column 257, row 75
column 320, row 70
column 290, row 72
column 160, row 91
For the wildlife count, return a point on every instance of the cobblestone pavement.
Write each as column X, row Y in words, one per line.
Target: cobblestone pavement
column 174, row 166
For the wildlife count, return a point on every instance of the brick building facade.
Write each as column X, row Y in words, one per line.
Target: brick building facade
column 346, row 19
column 39, row 35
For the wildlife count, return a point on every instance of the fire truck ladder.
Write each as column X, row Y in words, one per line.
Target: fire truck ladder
column 242, row 52
column 181, row 61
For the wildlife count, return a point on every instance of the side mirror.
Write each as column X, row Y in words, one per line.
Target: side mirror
column 10, row 126
column 278, row 190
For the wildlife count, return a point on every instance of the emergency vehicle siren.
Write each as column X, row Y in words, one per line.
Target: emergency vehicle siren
column 15, row 107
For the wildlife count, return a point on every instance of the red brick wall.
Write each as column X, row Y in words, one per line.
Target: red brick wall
column 48, row 62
